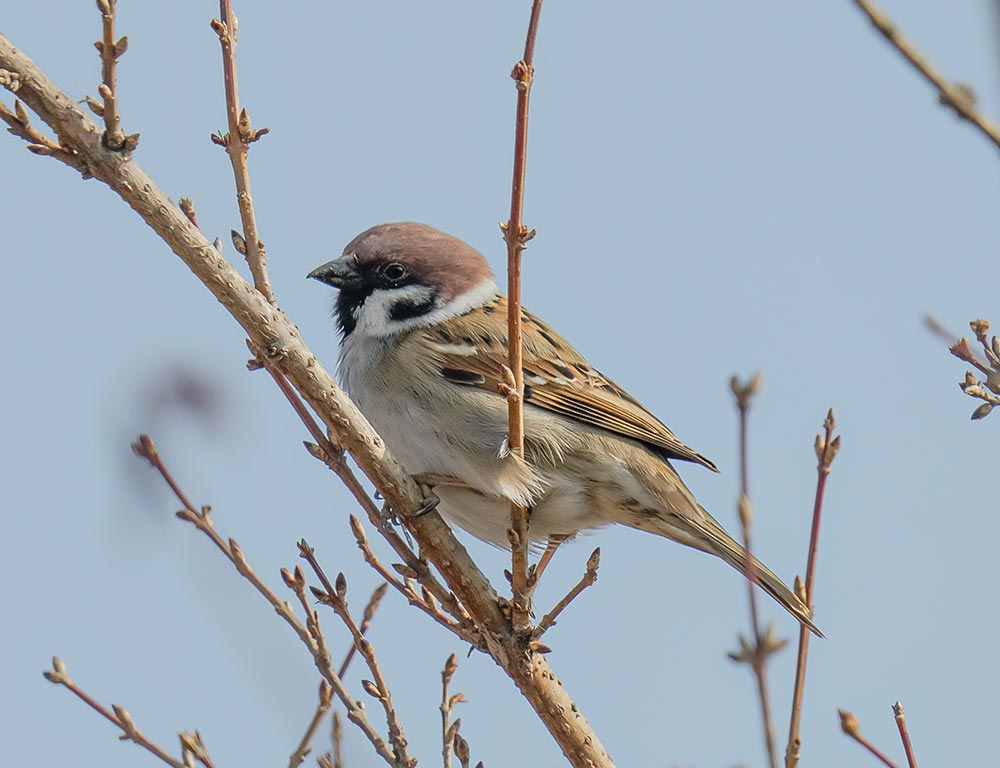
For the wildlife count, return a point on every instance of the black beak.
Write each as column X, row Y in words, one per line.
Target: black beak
column 339, row 273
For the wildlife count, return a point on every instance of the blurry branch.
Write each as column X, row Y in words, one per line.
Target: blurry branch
column 826, row 450
column 754, row 652
column 237, row 143
column 850, row 726
column 988, row 389
column 302, row 750
column 904, row 734
column 335, row 596
column 957, row 96
column 516, row 235
column 120, row 718
column 309, row 634
column 281, row 345
column 588, row 578
column 333, row 759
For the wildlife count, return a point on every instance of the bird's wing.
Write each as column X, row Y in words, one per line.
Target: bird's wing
column 472, row 351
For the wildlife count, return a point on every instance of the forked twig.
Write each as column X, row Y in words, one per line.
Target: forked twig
column 827, row 447
column 366, row 621
column 588, row 578
column 334, row 595
column 237, row 141
column 956, row 96
column 309, row 635
column 850, row 726
column 19, row 125
column 516, row 235
column 904, row 734
column 322, row 707
column 117, row 715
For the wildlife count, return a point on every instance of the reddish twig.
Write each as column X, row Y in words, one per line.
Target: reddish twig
column 904, row 734
column 757, row 651
column 826, row 450
column 516, row 235
column 850, row 726
column 237, row 143
column 117, row 715
column 956, row 96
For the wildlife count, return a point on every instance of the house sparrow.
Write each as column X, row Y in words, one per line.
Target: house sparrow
column 424, row 343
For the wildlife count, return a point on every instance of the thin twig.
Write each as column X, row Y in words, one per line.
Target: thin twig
column 850, row 726
column 762, row 644
column 517, row 235
column 366, row 622
column 38, row 143
column 956, row 96
column 237, row 143
column 448, row 702
column 111, row 50
column 988, row 388
column 322, row 707
column 826, row 450
column 117, row 715
column 588, row 578
column 313, row 640
column 335, row 597
column 904, row 734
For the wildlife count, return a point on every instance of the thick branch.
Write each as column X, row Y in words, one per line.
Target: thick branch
column 279, row 339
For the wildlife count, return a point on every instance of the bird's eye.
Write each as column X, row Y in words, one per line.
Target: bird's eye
column 394, row 272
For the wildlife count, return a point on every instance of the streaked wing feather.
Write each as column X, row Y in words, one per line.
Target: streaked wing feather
column 557, row 378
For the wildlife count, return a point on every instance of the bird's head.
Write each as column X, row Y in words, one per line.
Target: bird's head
column 395, row 277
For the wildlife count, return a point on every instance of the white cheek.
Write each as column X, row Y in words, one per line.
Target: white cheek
column 373, row 318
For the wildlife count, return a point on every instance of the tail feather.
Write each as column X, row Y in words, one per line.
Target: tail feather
column 709, row 536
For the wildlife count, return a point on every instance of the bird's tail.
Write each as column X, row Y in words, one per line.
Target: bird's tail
column 707, row 535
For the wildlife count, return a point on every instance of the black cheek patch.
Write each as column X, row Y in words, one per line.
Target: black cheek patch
column 406, row 309
column 458, row 376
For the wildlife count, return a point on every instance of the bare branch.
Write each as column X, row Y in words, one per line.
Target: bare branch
column 904, row 734
column 110, row 51
column 448, row 702
column 309, row 635
column 366, row 622
column 279, row 339
column 588, row 578
column 957, row 96
column 517, row 236
column 335, row 597
column 826, row 450
column 237, row 142
column 38, row 143
column 302, row 750
column 117, row 715
column 850, row 726
column 756, row 652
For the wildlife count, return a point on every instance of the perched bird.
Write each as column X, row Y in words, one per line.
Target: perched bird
column 424, row 344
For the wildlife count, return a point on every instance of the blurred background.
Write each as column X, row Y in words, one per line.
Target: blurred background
column 751, row 186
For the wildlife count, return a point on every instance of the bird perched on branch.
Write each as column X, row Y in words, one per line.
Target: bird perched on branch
column 423, row 353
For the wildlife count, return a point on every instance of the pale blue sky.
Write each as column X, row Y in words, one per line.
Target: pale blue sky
column 718, row 187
